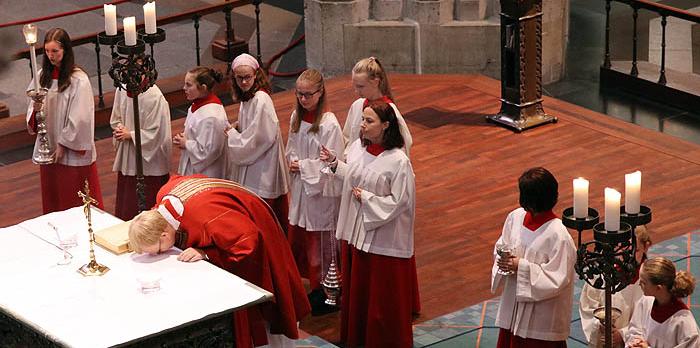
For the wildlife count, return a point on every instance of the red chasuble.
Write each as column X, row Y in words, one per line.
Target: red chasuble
column 239, row 233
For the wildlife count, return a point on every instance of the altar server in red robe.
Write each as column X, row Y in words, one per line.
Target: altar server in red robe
column 70, row 124
column 375, row 225
column 156, row 147
column 227, row 224
column 255, row 148
column 535, row 305
column 312, row 213
column 202, row 142
column 371, row 83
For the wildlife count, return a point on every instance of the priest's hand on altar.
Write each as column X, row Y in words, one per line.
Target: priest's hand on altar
column 192, row 255
column 121, row 133
column 179, row 140
column 508, row 264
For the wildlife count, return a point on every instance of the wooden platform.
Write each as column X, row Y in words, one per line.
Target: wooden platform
column 466, row 174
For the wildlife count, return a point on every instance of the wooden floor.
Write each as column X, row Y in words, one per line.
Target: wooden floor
column 466, row 175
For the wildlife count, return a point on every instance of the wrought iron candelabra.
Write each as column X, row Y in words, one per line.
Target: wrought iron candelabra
column 608, row 261
column 135, row 71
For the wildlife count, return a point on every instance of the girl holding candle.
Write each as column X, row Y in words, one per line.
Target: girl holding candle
column 535, row 306
column 624, row 300
column 661, row 319
column 203, row 141
column 70, row 123
column 371, row 83
column 375, row 226
column 255, row 147
column 312, row 213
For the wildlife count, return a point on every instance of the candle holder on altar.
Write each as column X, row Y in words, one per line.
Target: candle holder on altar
column 608, row 261
column 92, row 268
column 135, row 71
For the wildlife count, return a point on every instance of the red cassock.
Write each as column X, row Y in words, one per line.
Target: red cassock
column 239, row 233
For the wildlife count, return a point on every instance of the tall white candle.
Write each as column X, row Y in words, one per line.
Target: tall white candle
column 580, row 198
column 110, row 19
column 612, row 209
column 149, row 17
column 30, row 37
column 130, row 31
column 633, row 188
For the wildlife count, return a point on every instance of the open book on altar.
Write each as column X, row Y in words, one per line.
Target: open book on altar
column 114, row 238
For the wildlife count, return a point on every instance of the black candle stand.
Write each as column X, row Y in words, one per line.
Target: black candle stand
column 104, row 39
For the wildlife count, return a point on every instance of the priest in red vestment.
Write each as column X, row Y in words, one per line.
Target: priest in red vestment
column 231, row 227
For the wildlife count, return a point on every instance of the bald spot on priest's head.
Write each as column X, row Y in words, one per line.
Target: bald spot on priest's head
column 145, row 230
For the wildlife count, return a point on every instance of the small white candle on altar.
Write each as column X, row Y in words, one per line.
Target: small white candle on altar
column 580, row 198
column 110, row 19
column 130, row 31
column 149, row 17
column 633, row 188
column 612, row 209
column 30, row 36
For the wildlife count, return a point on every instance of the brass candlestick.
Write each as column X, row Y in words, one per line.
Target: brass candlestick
column 92, row 268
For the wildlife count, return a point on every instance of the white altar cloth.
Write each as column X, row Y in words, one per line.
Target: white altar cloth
column 107, row 310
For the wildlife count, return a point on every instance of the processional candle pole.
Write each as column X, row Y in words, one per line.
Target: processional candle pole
column 135, row 71
column 607, row 262
column 43, row 153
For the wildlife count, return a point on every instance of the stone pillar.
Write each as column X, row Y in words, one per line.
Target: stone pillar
column 324, row 22
column 430, row 11
column 555, row 35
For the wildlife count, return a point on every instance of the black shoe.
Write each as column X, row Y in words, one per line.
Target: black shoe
column 316, row 297
column 323, row 309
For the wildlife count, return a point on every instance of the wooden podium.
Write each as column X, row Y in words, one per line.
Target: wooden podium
column 521, row 66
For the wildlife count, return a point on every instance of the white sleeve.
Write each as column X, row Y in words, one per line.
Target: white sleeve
column 310, row 168
column 590, row 300
column 154, row 116
column 78, row 131
column 379, row 210
column 495, row 276
column 207, row 146
column 537, row 282
column 246, row 147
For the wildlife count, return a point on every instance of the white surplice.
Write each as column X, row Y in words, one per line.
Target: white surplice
column 592, row 298
column 205, row 145
column 536, row 301
column 678, row 331
column 351, row 129
column 70, row 119
column 308, row 207
column 256, row 153
column 156, row 139
column 382, row 221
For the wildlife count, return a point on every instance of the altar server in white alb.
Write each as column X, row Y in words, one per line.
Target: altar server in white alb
column 661, row 319
column 255, row 148
column 203, row 141
column 69, row 108
column 375, row 226
column 156, row 147
column 371, row 83
column 624, row 300
column 535, row 305
column 312, row 213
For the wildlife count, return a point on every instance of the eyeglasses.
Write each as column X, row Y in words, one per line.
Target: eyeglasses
column 307, row 95
column 244, row 78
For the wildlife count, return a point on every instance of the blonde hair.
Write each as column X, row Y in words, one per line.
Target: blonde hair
column 661, row 271
column 643, row 236
column 312, row 76
column 145, row 230
column 374, row 70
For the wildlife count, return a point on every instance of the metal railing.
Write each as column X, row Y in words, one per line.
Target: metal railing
column 194, row 15
column 662, row 10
